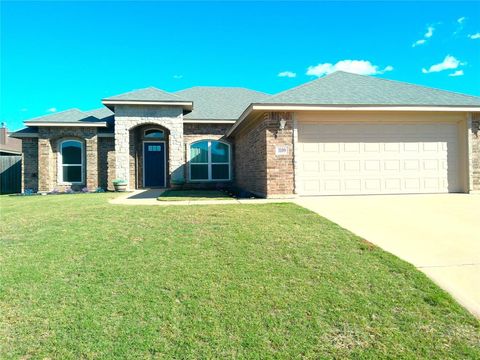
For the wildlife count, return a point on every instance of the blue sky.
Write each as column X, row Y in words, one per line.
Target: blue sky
column 59, row 55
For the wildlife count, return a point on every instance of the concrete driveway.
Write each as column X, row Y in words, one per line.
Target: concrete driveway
column 439, row 234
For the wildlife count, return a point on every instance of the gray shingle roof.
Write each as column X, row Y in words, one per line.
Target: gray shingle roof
column 342, row 88
column 27, row 130
column 147, row 94
column 219, row 103
column 67, row 116
column 102, row 113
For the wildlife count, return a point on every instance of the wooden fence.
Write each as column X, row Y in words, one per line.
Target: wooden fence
column 10, row 174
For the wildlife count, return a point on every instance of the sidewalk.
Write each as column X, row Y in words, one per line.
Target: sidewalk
column 149, row 197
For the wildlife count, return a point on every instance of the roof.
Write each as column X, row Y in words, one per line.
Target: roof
column 98, row 117
column 147, row 94
column 219, row 103
column 67, row 116
column 342, row 88
column 9, row 144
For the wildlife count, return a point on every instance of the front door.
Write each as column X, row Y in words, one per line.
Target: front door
column 154, row 164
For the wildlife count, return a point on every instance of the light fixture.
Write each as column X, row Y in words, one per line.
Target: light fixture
column 282, row 124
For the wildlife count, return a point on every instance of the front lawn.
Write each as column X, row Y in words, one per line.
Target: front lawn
column 81, row 278
column 193, row 195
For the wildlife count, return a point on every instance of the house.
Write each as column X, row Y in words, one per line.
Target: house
column 340, row 134
column 9, row 146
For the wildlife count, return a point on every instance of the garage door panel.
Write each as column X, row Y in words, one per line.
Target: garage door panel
column 377, row 158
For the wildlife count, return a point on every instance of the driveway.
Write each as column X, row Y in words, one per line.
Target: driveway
column 439, row 234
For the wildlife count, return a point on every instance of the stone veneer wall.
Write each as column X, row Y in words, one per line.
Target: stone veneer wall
column 475, row 161
column 48, row 141
column 207, row 131
column 106, row 149
column 128, row 117
column 30, row 164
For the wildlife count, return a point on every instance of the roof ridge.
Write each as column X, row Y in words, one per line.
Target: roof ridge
column 305, row 84
column 54, row 113
column 222, row 87
column 409, row 83
column 143, row 89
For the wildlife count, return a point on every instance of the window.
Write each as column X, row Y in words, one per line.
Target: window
column 209, row 161
column 71, row 161
column 154, row 134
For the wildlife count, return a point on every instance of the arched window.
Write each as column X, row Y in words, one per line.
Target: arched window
column 71, row 159
column 210, row 161
column 154, row 134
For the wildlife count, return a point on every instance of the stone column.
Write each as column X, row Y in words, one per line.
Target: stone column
column 128, row 117
column 176, row 152
column 121, row 151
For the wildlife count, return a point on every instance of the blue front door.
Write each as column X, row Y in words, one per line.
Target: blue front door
column 154, row 164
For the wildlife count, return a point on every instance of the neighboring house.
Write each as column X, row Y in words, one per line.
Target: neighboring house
column 8, row 145
column 340, row 134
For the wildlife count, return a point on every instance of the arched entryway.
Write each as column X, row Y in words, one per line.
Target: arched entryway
column 149, row 156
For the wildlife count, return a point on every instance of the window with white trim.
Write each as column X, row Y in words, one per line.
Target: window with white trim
column 71, row 157
column 209, row 161
column 154, row 134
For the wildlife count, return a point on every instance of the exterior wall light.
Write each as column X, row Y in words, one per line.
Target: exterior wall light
column 282, row 123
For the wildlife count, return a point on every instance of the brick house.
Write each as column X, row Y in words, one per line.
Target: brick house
column 340, row 134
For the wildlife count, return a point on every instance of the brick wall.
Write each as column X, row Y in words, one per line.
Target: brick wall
column 251, row 160
column 48, row 142
column 30, row 164
column 280, row 168
column 196, row 132
column 257, row 167
column 106, row 149
column 475, row 161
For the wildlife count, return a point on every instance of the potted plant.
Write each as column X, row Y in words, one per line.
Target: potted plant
column 120, row 185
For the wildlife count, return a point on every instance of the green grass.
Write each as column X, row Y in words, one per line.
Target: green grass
column 193, row 195
column 80, row 278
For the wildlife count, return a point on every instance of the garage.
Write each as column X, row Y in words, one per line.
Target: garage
column 379, row 157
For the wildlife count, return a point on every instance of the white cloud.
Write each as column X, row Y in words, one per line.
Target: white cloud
column 419, row 42
column 426, row 36
column 461, row 20
column 456, row 73
column 361, row 67
column 450, row 62
column 177, row 76
column 288, row 74
column 474, row 36
column 429, row 32
column 53, row 109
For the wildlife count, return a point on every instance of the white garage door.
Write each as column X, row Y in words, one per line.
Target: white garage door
column 337, row 159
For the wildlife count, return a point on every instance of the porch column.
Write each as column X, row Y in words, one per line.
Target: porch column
column 122, row 151
column 176, row 153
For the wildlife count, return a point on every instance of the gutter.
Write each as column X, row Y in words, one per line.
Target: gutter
column 298, row 107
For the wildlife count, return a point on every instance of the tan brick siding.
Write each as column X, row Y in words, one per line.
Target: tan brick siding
column 258, row 169
column 280, row 168
column 30, row 164
column 48, row 142
column 251, row 160
column 106, row 149
column 196, row 132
